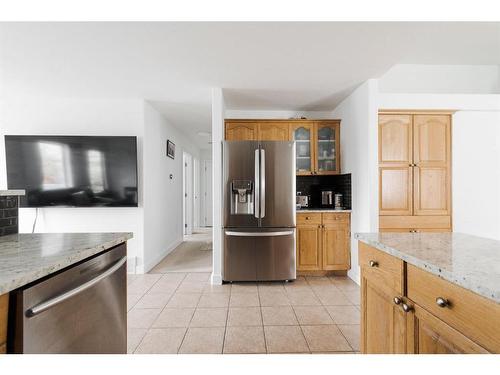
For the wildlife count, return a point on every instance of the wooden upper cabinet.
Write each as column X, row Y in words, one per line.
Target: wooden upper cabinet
column 241, row 131
column 327, row 140
column 432, row 150
column 317, row 141
column 395, row 139
column 302, row 134
column 273, row 131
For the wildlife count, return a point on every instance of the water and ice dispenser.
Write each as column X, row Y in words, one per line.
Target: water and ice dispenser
column 242, row 197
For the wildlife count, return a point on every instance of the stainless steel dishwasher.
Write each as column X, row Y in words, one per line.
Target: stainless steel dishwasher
column 81, row 309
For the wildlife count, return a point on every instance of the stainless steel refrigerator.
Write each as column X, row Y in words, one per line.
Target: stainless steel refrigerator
column 259, row 210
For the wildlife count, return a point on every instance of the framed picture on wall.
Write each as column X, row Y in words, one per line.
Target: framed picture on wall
column 170, row 149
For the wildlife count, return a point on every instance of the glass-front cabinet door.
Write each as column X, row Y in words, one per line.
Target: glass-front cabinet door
column 302, row 134
column 327, row 147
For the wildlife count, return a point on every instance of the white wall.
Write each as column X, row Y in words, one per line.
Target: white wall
column 163, row 202
column 476, row 173
column 266, row 114
column 218, row 112
column 475, row 156
column 43, row 115
column 358, row 135
column 464, row 79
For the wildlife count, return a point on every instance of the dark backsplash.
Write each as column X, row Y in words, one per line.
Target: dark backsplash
column 8, row 215
column 313, row 185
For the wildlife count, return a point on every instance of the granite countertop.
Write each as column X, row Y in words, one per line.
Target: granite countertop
column 4, row 193
column 468, row 261
column 28, row 257
column 321, row 210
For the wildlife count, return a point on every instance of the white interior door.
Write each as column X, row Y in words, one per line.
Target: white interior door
column 188, row 192
column 196, row 193
column 207, row 194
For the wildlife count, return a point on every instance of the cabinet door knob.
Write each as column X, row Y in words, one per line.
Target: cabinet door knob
column 397, row 300
column 373, row 263
column 442, row 302
column 407, row 308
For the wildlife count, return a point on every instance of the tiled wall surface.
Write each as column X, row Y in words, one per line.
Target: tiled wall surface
column 8, row 215
column 313, row 185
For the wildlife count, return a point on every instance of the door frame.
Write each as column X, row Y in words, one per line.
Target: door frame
column 206, row 187
column 187, row 193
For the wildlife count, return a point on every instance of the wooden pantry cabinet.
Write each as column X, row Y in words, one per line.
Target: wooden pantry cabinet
column 405, row 309
column 415, row 171
column 317, row 141
column 323, row 241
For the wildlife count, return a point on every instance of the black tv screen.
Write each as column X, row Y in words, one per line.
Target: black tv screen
column 73, row 171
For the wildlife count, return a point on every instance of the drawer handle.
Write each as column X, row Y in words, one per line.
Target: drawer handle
column 442, row 302
column 407, row 308
column 397, row 300
column 373, row 263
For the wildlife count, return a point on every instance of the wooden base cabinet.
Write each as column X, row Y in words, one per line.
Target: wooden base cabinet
column 383, row 321
column 308, row 245
column 323, row 242
column 4, row 307
column 408, row 310
column 429, row 335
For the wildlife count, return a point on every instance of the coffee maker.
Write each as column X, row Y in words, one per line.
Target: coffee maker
column 327, row 198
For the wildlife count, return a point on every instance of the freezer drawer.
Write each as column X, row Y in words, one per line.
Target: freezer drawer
column 259, row 254
column 82, row 309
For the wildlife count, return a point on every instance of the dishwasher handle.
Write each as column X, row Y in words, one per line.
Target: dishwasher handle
column 41, row 307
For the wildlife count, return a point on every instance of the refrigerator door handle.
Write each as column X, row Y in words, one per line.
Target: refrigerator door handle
column 256, row 200
column 259, row 234
column 262, row 183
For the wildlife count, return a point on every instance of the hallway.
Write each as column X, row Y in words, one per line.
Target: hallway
column 194, row 254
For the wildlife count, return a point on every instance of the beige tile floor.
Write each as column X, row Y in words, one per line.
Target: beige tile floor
column 183, row 313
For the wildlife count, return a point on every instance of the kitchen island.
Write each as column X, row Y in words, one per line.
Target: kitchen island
column 29, row 259
column 429, row 293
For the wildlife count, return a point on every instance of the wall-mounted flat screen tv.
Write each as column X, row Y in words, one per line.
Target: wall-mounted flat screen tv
column 73, row 171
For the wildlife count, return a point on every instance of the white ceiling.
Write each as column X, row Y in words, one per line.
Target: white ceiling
column 289, row 66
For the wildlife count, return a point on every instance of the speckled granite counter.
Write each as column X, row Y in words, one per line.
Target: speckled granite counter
column 9, row 193
column 468, row 261
column 28, row 257
column 305, row 210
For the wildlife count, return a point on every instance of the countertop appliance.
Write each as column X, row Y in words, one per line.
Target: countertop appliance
column 327, row 198
column 303, row 201
column 81, row 309
column 259, row 210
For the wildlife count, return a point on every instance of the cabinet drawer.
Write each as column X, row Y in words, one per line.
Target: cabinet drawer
column 474, row 316
column 330, row 217
column 386, row 270
column 415, row 222
column 309, row 218
column 413, row 230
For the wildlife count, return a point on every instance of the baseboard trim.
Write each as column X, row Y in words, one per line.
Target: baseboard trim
column 353, row 274
column 216, row 279
column 148, row 267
